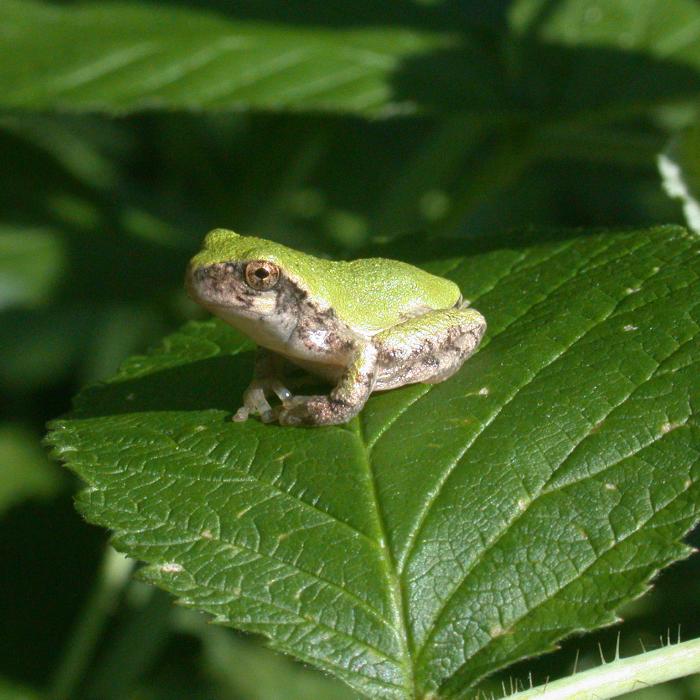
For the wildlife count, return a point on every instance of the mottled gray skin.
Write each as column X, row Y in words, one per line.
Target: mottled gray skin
column 289, row 324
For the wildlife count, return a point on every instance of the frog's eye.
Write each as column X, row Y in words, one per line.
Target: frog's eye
column 261, row 275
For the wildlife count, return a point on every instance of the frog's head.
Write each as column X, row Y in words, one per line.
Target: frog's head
column 243, row 279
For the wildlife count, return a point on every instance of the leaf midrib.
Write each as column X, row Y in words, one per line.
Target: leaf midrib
column 398, row 598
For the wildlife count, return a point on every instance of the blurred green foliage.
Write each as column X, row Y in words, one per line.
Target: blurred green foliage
column 484, row 116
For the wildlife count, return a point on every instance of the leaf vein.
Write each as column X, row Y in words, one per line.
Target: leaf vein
column 394, row 583
column 250, row 478
column 312, row 620
column 294, row 566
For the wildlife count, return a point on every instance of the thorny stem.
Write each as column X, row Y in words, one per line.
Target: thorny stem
column 622, row 675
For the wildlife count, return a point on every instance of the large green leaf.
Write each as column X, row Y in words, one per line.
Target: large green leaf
column 541, row 56
column 451, row 529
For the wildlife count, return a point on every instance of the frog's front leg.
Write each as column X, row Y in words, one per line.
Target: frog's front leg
column 344, row 401
column 265, row 379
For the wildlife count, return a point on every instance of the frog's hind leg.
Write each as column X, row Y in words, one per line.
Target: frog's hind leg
column 429, row 348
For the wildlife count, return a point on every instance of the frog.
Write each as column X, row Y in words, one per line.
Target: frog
column 363, row 326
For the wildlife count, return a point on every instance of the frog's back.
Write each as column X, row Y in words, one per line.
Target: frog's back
column 369, row 294
column 377, row 293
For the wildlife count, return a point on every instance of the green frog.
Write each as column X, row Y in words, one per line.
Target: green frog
column 365, row 325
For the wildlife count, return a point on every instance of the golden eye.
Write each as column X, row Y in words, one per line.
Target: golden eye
column 261, row 275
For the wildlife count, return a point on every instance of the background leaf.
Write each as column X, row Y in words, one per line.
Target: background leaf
column 405, row 58
column 153, row 57
column 451, row 529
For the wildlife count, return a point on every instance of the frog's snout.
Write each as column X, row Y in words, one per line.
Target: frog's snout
column 218, row 283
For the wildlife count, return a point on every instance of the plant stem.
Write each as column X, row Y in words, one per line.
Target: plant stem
column 139, row 637
column 112, row 575
column 623, row 675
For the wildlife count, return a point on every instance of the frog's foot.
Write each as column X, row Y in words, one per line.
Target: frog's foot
column 315, row 410
column 255, row 399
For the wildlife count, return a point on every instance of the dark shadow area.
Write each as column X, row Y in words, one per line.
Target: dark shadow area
column 216, row 383
column 539, row 82
column 99, row 267
column 49, row 559
column 420, row 249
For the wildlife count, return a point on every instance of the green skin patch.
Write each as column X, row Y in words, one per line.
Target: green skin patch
column 354, row 289
column 365, row 325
